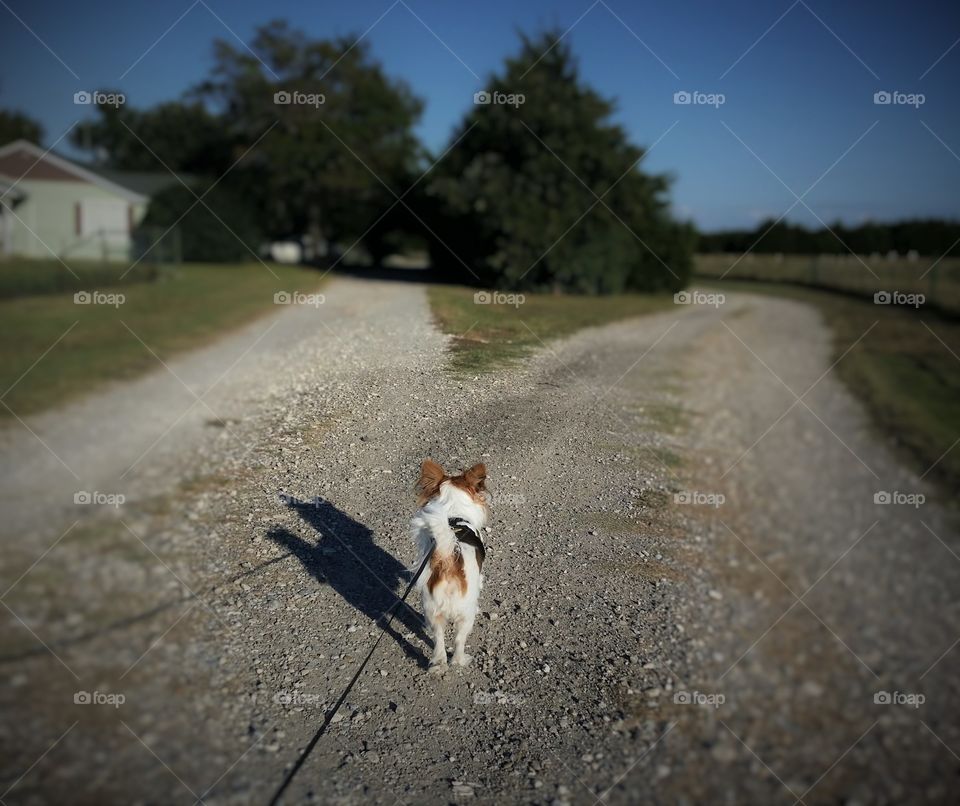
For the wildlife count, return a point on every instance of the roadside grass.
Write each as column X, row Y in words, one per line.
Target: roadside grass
column 488, row 336
column 906, row 371
column 23, row 277
column 191, row 305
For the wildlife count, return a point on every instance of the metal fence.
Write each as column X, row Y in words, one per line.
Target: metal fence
column 157, row 245
column 936, row 279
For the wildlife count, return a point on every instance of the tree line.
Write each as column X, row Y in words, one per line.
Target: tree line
column 923, row 236
column 538, row 188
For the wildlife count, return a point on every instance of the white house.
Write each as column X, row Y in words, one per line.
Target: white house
column 51, row 205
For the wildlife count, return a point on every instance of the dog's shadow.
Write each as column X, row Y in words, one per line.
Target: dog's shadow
column 346, row 558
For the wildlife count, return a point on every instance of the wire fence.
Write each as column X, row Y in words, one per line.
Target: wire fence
column 101, row 259
column 158, row 246
column 935, row 281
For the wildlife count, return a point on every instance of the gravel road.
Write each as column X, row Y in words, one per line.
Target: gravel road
column 632, row 647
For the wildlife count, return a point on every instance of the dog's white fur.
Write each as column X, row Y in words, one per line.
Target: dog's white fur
column 447, row 603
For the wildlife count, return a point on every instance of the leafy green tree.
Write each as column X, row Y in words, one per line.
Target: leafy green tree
column 221, row 229
column 339, row 140
column 183, row 135
column 17, row 126
column 511, row 199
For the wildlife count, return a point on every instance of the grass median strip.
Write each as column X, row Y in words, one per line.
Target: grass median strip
column 188, row 307
column 493, row 331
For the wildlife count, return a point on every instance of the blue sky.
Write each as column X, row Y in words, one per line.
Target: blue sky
column 798, row 80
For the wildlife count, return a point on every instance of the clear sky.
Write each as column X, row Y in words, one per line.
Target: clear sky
column 798, row 80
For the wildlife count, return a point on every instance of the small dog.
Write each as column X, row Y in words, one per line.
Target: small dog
column 447, row 527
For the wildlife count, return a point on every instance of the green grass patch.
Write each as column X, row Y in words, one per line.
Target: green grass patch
column 908, row 380
column 192, row 305
column 22, row 277
column 488, row 336
column 666, row 417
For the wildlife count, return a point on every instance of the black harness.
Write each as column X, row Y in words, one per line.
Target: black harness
column 465, row 533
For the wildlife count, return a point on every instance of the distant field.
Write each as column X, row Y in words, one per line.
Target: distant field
column 23, row 278
column 937, row 280
column 490, row 335
column 906, row 371
column 188, row 306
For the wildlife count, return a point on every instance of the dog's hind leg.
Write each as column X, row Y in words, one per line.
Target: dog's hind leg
column 439, row 660
column 464, row 627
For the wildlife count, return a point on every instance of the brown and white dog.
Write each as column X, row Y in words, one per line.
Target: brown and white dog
column 453, row 511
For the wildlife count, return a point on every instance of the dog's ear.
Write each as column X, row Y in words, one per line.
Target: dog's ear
column 476, row 476
column 431, row 477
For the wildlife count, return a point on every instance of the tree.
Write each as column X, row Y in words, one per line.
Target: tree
column 339, row 140
column 17, row 126
column 926, row 236
column 325, row 162
column 515, row 201
column 181, row 135
column 223, row 228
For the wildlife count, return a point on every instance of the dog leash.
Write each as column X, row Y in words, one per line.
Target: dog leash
column 333, row 711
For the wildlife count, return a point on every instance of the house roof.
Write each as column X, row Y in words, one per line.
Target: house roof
column 29, row 161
